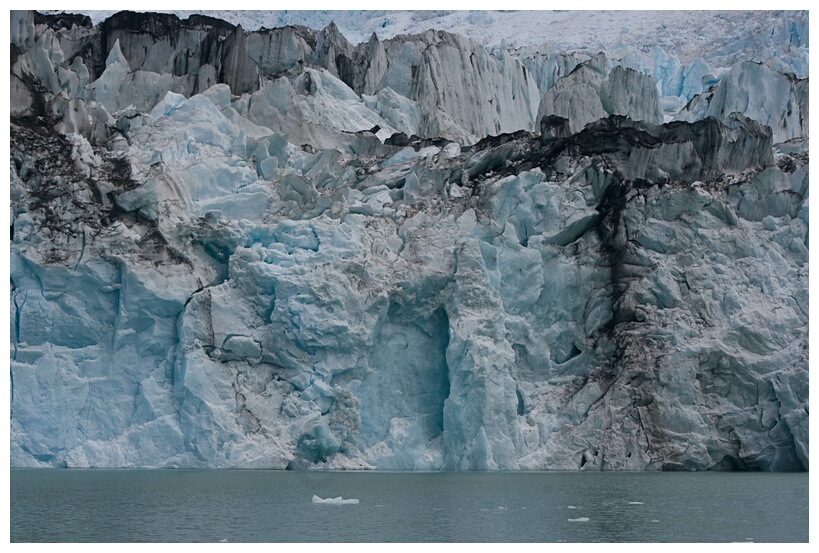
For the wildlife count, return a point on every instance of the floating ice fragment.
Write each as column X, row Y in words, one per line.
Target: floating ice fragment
column 571, row 507
column 635, row 502
column 655, row 520
column 223, row 540
column 581, row 519
column 335, row 500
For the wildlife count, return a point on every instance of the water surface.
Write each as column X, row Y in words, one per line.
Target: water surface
column 275, row 506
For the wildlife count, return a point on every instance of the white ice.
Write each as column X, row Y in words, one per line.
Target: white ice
column 335, row 501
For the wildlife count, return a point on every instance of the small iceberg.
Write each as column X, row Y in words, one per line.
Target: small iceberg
column 571, row 507
column 635, row 502
column 335, row 501
column 581, row 519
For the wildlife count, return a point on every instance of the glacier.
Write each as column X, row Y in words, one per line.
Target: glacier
column 278, row 249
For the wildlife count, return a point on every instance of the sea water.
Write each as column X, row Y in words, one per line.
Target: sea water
column 276, row 506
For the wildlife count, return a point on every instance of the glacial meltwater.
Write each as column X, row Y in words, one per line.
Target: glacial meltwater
column 276, row 506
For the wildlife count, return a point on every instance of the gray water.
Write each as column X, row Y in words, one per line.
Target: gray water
column 275, row 506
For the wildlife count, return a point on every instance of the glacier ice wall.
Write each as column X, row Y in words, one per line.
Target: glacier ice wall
column 277, row 249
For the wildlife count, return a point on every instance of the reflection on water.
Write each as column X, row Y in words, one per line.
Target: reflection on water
column 276, row 506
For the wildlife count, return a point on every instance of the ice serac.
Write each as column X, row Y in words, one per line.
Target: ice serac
column 277, row 249
column 591, row 92
column 480, row 419
column 677, row 80
column 461, row 91
column 546, row 69
column 777, row 100
column 203, row 50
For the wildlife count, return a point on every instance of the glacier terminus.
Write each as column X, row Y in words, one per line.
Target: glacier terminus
column 275, row 248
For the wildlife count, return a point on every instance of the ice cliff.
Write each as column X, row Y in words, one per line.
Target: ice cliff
column 278, row 249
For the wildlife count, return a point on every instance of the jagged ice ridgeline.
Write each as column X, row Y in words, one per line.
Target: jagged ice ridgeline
column 277, row 249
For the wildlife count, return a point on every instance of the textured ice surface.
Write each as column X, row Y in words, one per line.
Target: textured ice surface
column 225, row 253
column 775, row 99
column 591, row 91
column 725, row 37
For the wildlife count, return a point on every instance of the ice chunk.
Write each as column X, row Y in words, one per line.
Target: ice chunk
column 635, row 502
column 581, row 519
column 167, row 105
column 335, row 501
